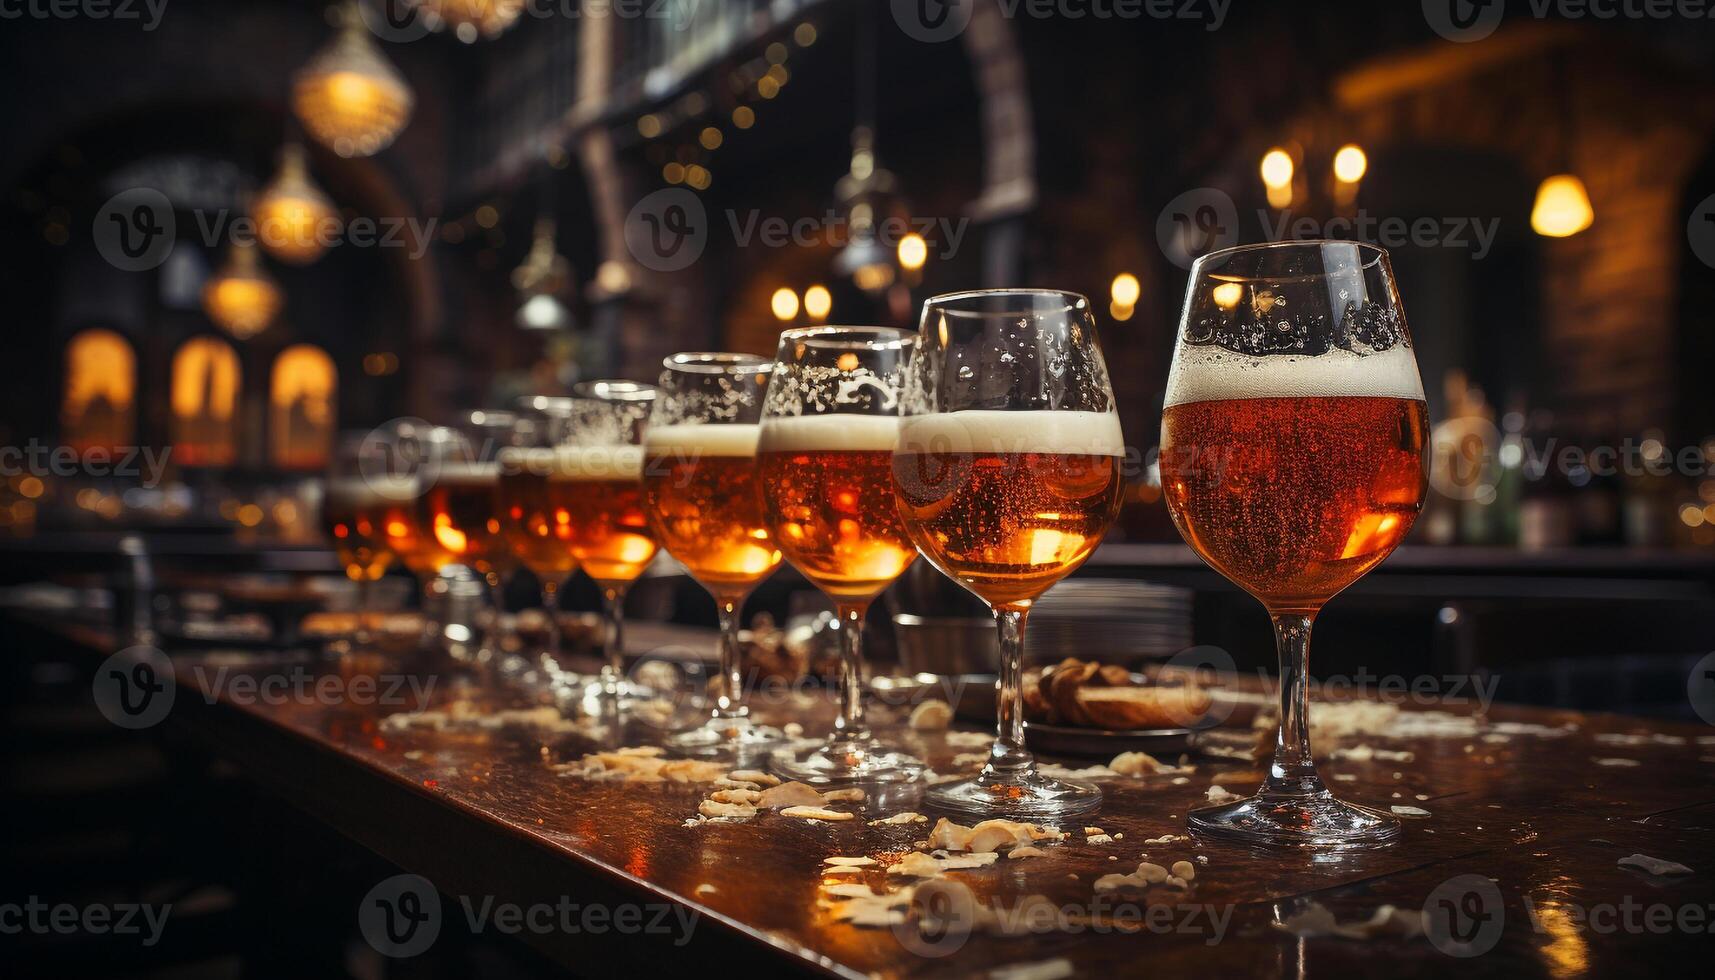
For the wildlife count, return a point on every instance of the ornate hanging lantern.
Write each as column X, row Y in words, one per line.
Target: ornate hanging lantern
column 349, row 97
column 242, row 298
column 294, row 219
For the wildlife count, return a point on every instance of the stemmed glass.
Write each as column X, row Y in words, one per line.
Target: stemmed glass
column 601, row 456
column 699, row 479
column 401, row 461
column 1007, row 475
column 532, row 511
column 830, row 420
column 1292, row 460
column 355, row 512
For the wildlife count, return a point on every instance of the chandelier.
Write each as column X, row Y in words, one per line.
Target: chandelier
column 470, row 20
column 540, row 279
column 349, row 97
column 294, row 219
column 242, row 298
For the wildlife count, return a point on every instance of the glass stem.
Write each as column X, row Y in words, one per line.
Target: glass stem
column 730, row 704
column 496, row 597
column 613, row 644
column 848, row 725
column 1294, row 771
column 361, row 637
column 551, row 606
column 431, row 629
column 1009, row 754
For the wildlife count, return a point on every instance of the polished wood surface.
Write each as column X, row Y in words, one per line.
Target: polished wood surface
column 485, row 809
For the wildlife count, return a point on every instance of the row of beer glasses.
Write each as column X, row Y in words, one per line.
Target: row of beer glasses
column 1291, row 457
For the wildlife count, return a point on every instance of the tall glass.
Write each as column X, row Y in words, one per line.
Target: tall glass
column 461, row 510
column 532, row 509
column 830, row 421
column 1292, row 460
column 355, row 511
column 400, row 461
column 700, row 488
column 1007, row 475
column 601, row 457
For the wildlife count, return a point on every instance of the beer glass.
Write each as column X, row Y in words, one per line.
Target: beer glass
column 355, row 511
column 533, row 513
column 461, row 509
column 601, row 458
column 1292, row 460
column 830, row 420
column 1007, row 474
column 399, row 461
column 699, row 479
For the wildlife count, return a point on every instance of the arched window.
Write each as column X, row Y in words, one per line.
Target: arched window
column 206, row 381
column 302, row 403
column 100, row 404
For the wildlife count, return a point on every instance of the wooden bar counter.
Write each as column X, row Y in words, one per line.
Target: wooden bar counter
column 1516, row 821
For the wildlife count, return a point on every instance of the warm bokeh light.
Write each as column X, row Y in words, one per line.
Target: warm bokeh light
column 1562, row 207
column 1227, row 295
column 784, row 303
column 710, row 137
column 1276, row 168
column 294, row 219
column 1350, row 163
column 99, row 407
column 913, row 252
column 744, row 117
column 1126, row 289
column 1120, row 311
column 301, row 400
column 204, row 401
column 349, row 97
column 649, row 126
column 242, row 298
column 818, row 302
column 470, row 20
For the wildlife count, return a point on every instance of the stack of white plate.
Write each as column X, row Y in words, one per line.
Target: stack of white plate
column 1112, row 620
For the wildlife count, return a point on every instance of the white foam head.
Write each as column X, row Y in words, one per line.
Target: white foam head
column 853, row 433
column 578, row 463
column 980, row 431
column 369, row 491
column 467, row 473
column 1206, row 374
column 702, row 440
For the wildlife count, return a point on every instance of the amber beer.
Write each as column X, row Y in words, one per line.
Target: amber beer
column 829, row 500
column 1295, row 498
column 356, row 515
column 700, row 487
column 460, row 514
column 535, row 520
column 1008, row 503
column 601, row 491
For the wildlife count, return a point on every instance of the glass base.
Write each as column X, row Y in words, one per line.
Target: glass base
column 846, row 760
column 737, row 737
column 598, row 698
column 1023, row 795
column 1281, row 820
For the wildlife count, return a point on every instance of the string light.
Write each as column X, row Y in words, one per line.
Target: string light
column 818, row 302
column 1276, row 170
column 913, row 252
column 784, row 304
